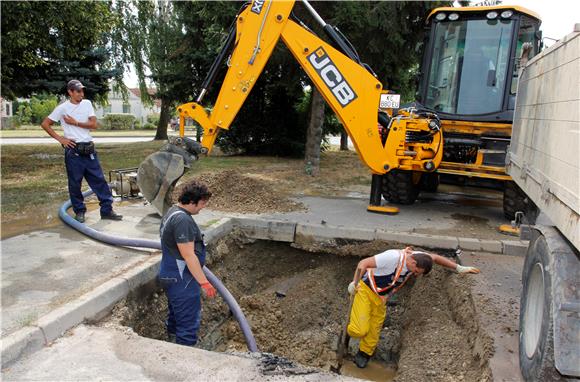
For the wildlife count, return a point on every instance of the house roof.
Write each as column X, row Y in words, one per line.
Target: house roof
column 137, row 92
column 151, row 91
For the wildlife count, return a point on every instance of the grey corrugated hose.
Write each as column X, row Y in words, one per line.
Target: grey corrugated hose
column 143, row 243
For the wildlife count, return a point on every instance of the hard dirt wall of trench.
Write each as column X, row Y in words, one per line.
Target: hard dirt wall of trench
column 295, row 301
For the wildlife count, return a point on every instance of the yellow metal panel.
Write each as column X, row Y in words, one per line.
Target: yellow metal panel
column 350, row 90
column 255, row 33
column 473, row 171
column 479, row 128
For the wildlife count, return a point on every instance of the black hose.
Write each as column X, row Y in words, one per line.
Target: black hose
column 144, row 243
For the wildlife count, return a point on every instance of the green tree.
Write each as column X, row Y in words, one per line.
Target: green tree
column 162, row 40
column 41, row 106
column 46, row 43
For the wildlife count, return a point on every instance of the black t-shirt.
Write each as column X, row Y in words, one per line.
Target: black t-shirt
column 178, row 226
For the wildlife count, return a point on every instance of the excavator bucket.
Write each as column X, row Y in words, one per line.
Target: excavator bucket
column 160, row 171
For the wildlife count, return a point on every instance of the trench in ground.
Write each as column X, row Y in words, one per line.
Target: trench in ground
column 296, row 302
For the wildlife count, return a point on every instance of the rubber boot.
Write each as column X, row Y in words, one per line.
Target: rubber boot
column 361, row 359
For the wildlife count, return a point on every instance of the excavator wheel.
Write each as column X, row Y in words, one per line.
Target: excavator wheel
column 429, row 182
column 401, row 187
column 514, row 200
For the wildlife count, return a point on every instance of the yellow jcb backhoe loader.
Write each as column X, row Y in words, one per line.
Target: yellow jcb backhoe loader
column 402, row 149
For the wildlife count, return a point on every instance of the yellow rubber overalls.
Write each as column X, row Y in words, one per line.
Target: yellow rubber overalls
column 369, row 308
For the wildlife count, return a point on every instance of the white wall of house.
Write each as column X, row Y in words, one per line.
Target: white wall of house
column 6, row 108
column 132, row 106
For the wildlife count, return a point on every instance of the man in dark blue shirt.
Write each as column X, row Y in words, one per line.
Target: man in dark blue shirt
column 183, row 257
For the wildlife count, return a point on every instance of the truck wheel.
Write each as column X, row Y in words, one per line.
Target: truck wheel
column 429, row 182
column 536, row 325
column 401, row 187
column 514, row 200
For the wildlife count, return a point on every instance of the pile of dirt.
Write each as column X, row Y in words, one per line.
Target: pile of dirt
column 242, row 193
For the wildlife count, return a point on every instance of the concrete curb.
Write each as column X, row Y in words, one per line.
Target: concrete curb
column 97, row 303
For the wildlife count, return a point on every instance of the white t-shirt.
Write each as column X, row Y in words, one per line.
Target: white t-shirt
column 81, row 112
column 387, row 263
column 383, row 276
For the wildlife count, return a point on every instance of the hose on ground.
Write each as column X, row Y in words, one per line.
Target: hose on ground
column 144, row 243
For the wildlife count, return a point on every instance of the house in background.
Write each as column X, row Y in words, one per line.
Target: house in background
column 132, row 105
column 5, row 113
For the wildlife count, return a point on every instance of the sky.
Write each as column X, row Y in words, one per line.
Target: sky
column 558, row 18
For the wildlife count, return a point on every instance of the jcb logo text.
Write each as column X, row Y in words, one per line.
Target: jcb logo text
column 257, row 6
column 332, row 77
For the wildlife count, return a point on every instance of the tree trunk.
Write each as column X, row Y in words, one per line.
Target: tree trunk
column 343, row 141
column 314, row 134
column 163, row 120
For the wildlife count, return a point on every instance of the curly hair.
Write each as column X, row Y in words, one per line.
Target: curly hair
column 194, row 191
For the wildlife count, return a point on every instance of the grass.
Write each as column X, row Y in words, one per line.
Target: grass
column 34, row 182
column 34, row 178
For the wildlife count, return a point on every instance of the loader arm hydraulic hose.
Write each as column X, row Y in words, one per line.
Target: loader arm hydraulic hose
column 153, row 244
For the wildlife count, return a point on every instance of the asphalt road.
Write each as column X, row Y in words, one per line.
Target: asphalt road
column 48, row 140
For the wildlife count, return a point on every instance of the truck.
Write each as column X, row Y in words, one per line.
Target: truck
column 460, row 127
column 544, row 161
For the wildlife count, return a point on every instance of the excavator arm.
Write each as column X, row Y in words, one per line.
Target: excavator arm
column 348, row 86
column 350, row 90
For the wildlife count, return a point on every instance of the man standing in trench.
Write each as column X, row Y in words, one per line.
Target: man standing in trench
column 382, row 276
column 77, row 118
column 183, row 257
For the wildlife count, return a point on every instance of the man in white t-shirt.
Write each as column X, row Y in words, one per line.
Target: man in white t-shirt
column 376, row 279
column 77, row 118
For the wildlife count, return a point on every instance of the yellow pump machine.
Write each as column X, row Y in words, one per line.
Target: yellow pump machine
column 401, row 149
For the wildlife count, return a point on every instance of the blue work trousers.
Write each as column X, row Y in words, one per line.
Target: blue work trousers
column 88, row 167
column 184, row 303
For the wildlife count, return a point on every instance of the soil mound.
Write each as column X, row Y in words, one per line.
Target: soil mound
column 235, row 192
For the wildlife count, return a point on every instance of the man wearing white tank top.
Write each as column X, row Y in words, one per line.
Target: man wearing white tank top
column 376, row 279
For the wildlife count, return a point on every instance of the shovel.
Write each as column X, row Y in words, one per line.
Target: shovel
column 344, row 338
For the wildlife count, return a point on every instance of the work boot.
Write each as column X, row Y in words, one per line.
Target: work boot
column 80, row 216
column 112, row 216
column 361, row 359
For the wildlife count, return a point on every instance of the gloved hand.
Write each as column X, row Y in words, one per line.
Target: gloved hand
column 462, row 269
column 351, row 287
column 208, row 289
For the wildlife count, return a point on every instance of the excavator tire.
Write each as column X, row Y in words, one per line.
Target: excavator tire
column 157, row 176
column 400, row 187
column 429, row 182
column 514, row 200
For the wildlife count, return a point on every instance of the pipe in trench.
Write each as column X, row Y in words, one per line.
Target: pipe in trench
column 144, row 243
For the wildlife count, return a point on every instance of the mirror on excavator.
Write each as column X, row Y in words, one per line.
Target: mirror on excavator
column 160, row 171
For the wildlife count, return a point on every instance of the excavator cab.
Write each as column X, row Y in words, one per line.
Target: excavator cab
column 472, row 61
column 468, row 77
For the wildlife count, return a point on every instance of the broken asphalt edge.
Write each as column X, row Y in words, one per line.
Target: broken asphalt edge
column 97, row 303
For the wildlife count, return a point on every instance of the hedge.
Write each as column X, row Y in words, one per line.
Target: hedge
column 119, row 121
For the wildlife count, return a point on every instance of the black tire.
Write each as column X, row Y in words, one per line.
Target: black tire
column 429, row 182
column 399, row 187
column 514, row 200
column 536, row 324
